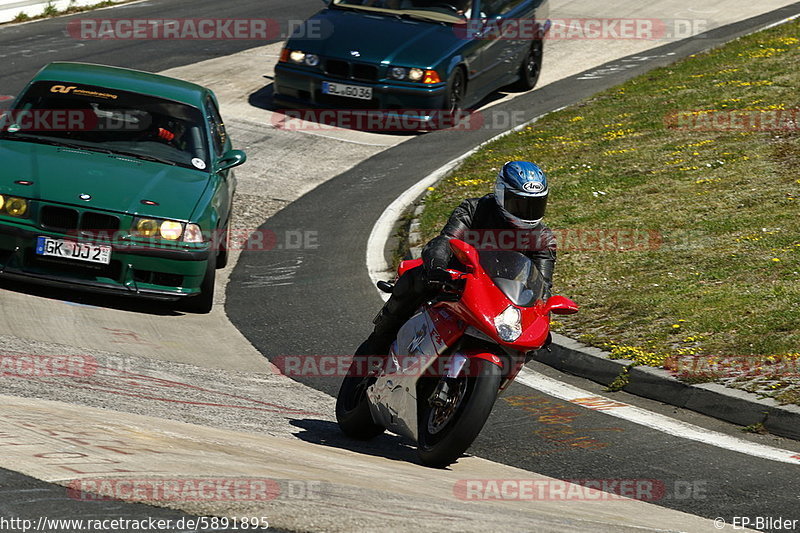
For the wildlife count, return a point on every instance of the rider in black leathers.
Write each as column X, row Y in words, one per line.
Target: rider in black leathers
column 518, row 205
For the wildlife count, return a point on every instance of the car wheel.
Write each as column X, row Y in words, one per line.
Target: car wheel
column 531, row 67
column 224, row 247
column 203, row 302
column 456, row 89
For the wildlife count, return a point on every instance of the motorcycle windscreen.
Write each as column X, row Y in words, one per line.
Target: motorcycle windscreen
column 515, row 275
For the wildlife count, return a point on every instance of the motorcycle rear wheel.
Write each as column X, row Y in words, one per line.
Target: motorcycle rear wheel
column 441, row 442
column 352, row 405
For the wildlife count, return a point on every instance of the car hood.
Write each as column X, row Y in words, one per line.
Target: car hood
column 378, row 38
column 115, row 183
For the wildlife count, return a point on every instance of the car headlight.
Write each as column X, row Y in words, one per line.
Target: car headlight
column 416, row 74
column 13, row 206
column 312, row 60
column 398, row 73
column 297, row 56
column 145, row 227
column 509, row 324
column 170, row 230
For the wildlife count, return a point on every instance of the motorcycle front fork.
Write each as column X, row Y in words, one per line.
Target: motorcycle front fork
column 441, row 394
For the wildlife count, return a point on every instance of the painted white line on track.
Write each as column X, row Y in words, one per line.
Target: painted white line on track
column 643, row 417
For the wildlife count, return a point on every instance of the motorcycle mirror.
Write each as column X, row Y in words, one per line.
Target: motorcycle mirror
column 464, row 252
column 560, row 305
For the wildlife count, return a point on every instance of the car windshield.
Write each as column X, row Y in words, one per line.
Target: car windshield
column 453, row 11
column 119, row 122
column 515, row 275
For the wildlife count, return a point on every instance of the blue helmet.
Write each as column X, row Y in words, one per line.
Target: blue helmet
column 521, row 192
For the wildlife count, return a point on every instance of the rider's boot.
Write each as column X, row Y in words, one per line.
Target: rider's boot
column 380, row 340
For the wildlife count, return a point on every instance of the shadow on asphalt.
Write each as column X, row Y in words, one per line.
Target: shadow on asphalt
column 80, row 298
column 263, row 99
column 327, row 433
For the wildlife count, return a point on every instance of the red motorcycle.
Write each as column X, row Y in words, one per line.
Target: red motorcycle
column 453, row 358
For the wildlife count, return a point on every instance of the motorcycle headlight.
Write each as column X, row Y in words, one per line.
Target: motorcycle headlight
column 12, row 206
column 509, row 324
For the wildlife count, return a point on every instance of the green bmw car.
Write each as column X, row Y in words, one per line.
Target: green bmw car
column 116, row 181
column 411, row 55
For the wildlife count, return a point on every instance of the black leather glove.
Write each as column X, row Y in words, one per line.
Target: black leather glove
column 438, row 277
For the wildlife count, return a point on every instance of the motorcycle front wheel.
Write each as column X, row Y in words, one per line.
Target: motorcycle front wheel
column 352, row 405
column 445, row 432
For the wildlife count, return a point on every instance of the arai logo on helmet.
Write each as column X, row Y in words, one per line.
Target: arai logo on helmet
column 533, row 186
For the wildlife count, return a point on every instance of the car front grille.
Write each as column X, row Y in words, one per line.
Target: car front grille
column 61, row 219
column 365, row 72
column 338, row 68
column 66, row 220
column 99, row 222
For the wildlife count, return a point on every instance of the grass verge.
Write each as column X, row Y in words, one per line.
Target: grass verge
column 50, row 11
column 717, row 275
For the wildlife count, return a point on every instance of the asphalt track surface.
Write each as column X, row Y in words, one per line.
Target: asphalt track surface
column 325, row 303
column 25, row 48
column 336, row 299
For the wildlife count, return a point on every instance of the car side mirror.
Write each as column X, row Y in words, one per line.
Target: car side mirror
column 560, row 305
column 230, row 159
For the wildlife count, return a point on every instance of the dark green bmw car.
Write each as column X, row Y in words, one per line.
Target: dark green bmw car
column 116, row 181
column 411, row 54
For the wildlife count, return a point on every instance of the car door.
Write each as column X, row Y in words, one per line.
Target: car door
column 503, row 43
column 223, row 198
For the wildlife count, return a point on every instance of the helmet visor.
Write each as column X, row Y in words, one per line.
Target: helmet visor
column 524, row 207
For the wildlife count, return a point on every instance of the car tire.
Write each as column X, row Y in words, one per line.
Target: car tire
column 531, row 67
column 224, row 247
column 456, row 89
column 202, row 303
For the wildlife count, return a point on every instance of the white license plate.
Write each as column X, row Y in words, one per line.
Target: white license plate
column 348, row 91
column 80, row 251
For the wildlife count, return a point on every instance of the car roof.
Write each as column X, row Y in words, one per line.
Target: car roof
column 124, row 79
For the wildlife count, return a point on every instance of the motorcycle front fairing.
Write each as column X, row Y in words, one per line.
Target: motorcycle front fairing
column 420, row 342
